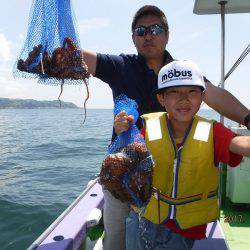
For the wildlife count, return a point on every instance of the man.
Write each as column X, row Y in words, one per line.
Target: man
column 136, row 77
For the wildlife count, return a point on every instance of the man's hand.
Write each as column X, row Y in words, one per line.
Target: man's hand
column 247, row 121
column 122, row 122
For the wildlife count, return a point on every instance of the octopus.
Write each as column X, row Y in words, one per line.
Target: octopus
column 122, row 171
column 66, row 62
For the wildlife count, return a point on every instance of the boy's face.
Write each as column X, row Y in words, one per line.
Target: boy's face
column 182, row 103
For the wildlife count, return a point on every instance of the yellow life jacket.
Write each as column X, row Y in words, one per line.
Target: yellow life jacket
column 185, row 179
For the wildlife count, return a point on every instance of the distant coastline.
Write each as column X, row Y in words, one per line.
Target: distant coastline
column 7, row 103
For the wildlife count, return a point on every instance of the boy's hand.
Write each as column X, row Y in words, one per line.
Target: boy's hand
column 122, row 122
column 240, row 145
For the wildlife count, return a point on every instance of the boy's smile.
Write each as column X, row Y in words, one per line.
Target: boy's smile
column 181, row 102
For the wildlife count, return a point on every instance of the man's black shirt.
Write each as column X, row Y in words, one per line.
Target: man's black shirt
column 130, row 75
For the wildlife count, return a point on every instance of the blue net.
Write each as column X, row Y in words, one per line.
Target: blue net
column 127, row 170
column 51, row 50
column 138, row 182
column 123, row 103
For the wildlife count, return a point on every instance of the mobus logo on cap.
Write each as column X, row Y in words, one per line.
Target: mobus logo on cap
column 179, row 73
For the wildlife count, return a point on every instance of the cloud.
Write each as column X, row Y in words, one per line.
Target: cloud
column 9, row 88
column 5, row 53
column 93, row 23
column 194, row 36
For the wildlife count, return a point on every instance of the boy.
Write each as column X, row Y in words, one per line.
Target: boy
column 186, row 149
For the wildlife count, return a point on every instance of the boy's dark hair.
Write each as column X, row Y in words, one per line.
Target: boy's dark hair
column 162, row 91
column 150, row 10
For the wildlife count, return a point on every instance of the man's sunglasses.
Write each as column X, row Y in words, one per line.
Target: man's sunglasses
column 154, row 29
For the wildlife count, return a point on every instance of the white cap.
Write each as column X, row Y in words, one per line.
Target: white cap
column 179, row 73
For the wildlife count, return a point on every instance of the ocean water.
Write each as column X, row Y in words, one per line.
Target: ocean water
column 47, row 158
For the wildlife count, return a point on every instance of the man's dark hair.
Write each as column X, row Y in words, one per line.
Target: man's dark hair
column 150, row 10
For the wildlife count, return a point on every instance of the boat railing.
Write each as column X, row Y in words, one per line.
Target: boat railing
column 49, row 230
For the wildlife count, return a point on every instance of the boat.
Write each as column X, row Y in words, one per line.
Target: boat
column 80, row 226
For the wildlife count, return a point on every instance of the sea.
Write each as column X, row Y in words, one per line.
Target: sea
column 47, row 157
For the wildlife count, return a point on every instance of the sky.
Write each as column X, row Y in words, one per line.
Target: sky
column 104, row 26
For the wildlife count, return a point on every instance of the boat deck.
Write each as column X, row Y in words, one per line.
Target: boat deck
column 235, row 223
column 215, row 239
column 232, row 232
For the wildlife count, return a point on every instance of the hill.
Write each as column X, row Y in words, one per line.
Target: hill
column 6, row 103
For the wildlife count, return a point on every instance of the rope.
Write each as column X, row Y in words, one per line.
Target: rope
column 236, row 64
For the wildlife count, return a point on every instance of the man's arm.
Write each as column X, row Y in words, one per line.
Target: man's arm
column 90, row 59
column 240, row 145
column 225, row 103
